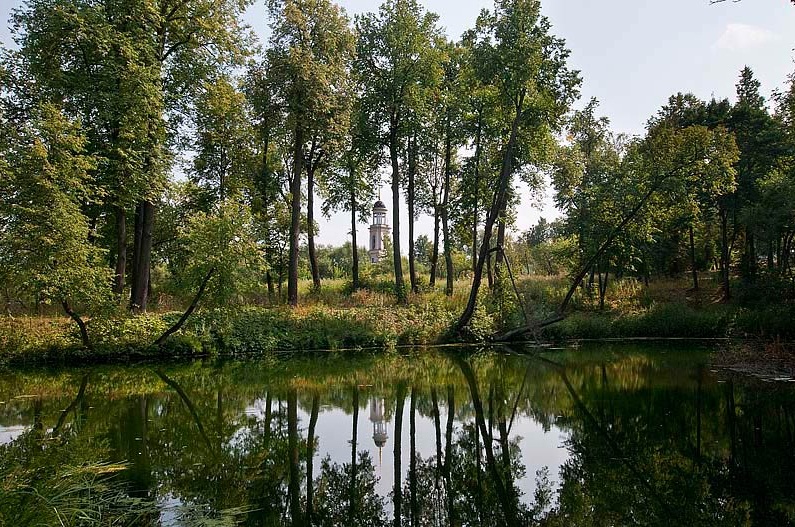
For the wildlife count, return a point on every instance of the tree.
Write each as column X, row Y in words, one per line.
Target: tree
column 515, row 52
column 353, row 181
column 651, row 172
column 224, row 154
column 394, row 54
column 45, row 238
column 311, row 47
column 452, row 132
column 130, row 72
column 585, row 180
column 760, row 142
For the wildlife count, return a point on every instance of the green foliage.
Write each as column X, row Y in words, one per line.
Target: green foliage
column 44, row 244
column 224, row 158
column 226, row 242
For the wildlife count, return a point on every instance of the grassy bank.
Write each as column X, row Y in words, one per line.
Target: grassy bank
column 334, row 319
column 225, row 332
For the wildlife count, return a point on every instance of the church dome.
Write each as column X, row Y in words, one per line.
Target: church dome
column 379, row 205
column 379, row 438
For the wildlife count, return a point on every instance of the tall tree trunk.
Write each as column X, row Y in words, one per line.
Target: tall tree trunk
column 142, row 256
column 397, row 491
column 725, row 259
column 501, row 196
column 294, row 484
column 693, row 266
column 310, row 460
column 751, row 254
column 354, row 248
column 310, row 228
column 295, row 216
column 121, row 250
column 476, row 189
column 771, row 250
column 410, row 198
column 490, row 272
column 271, row 288
column 400, row 287
column 603, row 287
column 448, row 250
column 435, row 251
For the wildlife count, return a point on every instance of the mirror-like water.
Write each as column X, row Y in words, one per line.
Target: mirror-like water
column 609, row 435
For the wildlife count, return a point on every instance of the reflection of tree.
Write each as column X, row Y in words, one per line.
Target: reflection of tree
column 77, row 405
column 294, row 487
column 650, row 443
column 505, row 490
column 353, row 487
column 333, row 505
column 311, row 442
column 65, row 477
column 620, row 476
column 397, row 491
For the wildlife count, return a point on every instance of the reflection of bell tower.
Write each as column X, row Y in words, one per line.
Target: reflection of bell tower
column 378, row 230
column 379, row 425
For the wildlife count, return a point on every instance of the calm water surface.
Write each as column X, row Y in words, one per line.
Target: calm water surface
column 609, row 435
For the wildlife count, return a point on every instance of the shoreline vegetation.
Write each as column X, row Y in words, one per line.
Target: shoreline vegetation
column 336, row 320
column 160, row 179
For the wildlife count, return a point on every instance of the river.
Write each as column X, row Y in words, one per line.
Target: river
column 619, row 434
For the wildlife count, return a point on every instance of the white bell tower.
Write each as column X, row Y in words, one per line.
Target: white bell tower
column 378, row 230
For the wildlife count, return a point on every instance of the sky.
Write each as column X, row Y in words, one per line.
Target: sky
column 632, row 54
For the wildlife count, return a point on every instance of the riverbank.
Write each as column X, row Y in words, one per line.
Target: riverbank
column 224, row 333
column 769, row 361
column 333, row 320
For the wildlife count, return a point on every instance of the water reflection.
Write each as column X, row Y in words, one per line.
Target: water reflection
column 608, row 436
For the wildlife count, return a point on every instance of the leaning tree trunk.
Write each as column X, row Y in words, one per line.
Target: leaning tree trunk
column 499, row 257
column 295, row 216
column 310, row 228
column 188, row 312
column 80, row 324
column 400, row 287
column 498, row 204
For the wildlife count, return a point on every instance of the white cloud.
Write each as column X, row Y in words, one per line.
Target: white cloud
column 738, row 37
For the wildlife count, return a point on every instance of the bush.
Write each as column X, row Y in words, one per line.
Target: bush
column 774, row 321
column 660, row 321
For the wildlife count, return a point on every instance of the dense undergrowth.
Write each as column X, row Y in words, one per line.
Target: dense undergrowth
column 336, row 319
